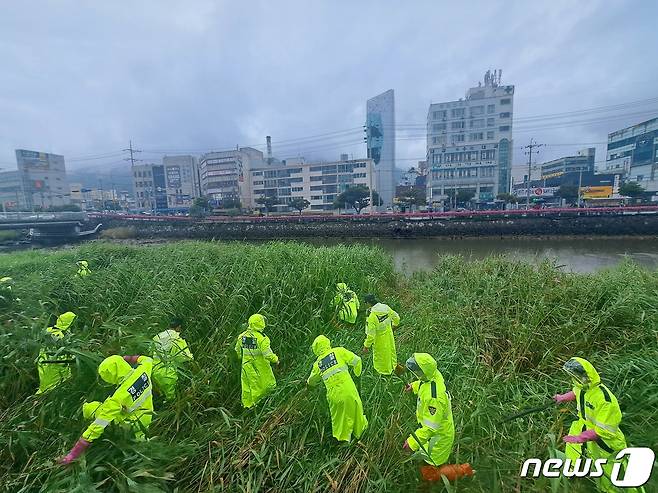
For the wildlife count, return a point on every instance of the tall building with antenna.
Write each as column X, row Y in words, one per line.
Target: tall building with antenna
column 380, row 138
column 469, row 144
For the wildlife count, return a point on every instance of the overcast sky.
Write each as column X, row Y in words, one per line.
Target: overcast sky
column 83, row 78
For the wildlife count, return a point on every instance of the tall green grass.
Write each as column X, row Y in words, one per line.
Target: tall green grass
column 500, row 331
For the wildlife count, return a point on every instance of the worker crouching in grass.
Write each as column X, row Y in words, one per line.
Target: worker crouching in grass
column 332, row 367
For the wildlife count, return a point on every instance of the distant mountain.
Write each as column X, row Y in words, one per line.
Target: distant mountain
column 118, row 177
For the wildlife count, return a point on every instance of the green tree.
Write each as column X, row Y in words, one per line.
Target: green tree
column 464, row 196
column 299, row 203
column 568, row 192
column 412, row 196
column 200, row 206
column 358, row 197
column 631, row 189
column 268, row 202
column 508, row 198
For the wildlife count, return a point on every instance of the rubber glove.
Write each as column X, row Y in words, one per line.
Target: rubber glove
column 585, row 436
column 78, row 449
column 407, row 388
column 406, row 446
column 131, row 359
column 568, row 397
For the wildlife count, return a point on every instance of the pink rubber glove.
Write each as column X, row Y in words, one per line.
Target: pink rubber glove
column 585, row 436
column 406, row 446
column 78, row 449
column 131, row 359
column 568, row 397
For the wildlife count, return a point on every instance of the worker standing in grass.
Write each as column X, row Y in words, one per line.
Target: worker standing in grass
column 54, row 362
column 346, row 303
column 332, row 366
column 256, row 357
column 379, row 334
column 131, row 403
column 433, row 411
column 6, row 293
column 83, row 268
column 595, row 434
column 170, row 352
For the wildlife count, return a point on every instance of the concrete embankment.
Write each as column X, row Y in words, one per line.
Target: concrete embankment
column 535, row 225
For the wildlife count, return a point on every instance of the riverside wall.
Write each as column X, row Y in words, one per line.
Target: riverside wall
column 552, row 225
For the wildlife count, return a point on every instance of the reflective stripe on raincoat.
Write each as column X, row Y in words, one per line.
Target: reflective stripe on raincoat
column 256, row 376
column 131, row 402
column 170, row 351
column 332, row 367
column 379, row 335
column 433, row 413
column 598, row 410
column 54, row 363
column 346, row 303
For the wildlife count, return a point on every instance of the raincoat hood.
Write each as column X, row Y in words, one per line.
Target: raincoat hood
column 114, row 369
column 4, row 280
column 380, row 308
column 342, row 287
column 82, row 263
column 257, row 322
column 320, row 345
column 425, row 362
column 593, row 378
column 65, row 320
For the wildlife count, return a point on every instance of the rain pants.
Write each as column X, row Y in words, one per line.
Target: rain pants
column 254, row 350
column 598, row 410
column 433, row 413
column 379, row 334
column 170, row 351
column 332, row 366
column 54, row 364
column 346, row 303
column 131, row 403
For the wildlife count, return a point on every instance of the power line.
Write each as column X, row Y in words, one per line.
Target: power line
column 530, row 152
column 132, row 157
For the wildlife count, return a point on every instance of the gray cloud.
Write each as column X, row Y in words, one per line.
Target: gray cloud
column 82, row 80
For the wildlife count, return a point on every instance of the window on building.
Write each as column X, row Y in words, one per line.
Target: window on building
column 477, row 110
column 476, row 136
column 457, row 125
column 258, row 182
column 439, row 114
column 316, row 197
column 316, row 188
column 491, row 122
column 257, row 173
column 316, row 168
column 270, row 174
column 297, row 189
column 316, row 178
column 477, row 123
column 504, row 128
column 437, row 127
column 457, row 112
column 490, row 134
column 439, row 139
column 505, row 101
column 505, row 114
column 491, row 109
column 457, row 138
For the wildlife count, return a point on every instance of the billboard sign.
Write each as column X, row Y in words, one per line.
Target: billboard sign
column 599, row 192
column 375, row 136
column 536, row 192
column 173, row 177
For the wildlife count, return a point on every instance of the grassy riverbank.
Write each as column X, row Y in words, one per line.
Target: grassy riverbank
column 500, row 331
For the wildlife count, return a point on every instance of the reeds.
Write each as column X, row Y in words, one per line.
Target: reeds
column 499, row 329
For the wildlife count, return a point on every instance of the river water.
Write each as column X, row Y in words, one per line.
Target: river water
column 575, row 255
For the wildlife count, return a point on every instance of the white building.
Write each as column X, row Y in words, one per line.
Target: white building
column 222, row 174
column 469, row 142
column 143, row 189
column 380, row 127
column 633, row 152
column 181, row 181
column 42, row 178
column 319, row 183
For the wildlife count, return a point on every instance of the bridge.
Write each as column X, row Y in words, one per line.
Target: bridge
column 50, row 226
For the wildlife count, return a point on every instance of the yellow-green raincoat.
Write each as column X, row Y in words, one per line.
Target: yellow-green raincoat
column 253, row 348
column 346, row 303
column 332, row 367
column 379, row 334
column 54, row 363
column 170, row 351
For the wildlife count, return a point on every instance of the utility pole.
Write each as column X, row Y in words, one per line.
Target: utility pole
column 580, row 184
column 132, row 154
column 529, row 152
